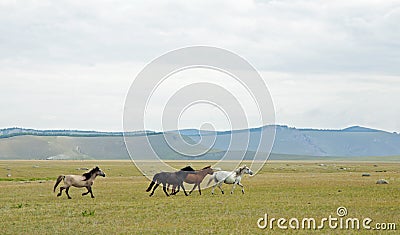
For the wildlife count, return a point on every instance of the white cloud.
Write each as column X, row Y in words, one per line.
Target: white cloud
column 335, row 100
column 68, row 64
column 66, row 96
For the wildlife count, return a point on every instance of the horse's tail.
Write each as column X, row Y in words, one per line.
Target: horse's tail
column 152, row 183
column 59, row 179
column 211, row 179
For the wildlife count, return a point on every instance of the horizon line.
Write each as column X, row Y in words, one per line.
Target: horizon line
column 156, row 131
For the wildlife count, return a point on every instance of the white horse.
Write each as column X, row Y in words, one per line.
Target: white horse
column 229, row 177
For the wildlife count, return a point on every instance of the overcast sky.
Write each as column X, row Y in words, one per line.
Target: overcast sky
column 328, row 64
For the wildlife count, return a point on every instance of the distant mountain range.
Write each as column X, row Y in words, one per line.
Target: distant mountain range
column 290, row 143
column 15, row 131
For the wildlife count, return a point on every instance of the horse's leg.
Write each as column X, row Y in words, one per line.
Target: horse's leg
column 195, row 185
column 89, row 191
column 165, row 190
column 241, row 185
column 66, row 191
column 152, row 192
column 233, row 187
column 219, row 186
column 198, row 186
column 213, row 188
column 83, row 194
column 215, row 185
column 183, row 188
column 173, row 190
column 61, row 189
column 176, row 190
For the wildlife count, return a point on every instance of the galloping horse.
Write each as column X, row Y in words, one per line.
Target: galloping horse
column 168, row 178
column 79, row 181
column 196, row 177
column 229, row 177
column 186, row 168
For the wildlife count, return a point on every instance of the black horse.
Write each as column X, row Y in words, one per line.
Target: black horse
column 168, row 178
column 174, row 186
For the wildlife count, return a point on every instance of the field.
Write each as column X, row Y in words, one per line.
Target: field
column 282, row 189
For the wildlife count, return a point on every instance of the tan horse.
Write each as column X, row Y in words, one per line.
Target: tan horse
column 79, row 181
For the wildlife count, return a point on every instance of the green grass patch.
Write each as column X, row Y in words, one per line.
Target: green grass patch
column 86, row 213
column 27, row 179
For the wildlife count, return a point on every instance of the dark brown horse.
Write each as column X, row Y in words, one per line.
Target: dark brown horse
column 186, row 168
column 166, row 178
column 194, row 177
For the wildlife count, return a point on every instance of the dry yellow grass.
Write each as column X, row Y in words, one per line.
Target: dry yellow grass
column 281, row 189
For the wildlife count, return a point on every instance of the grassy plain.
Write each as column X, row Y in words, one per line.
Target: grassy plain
column 282, row 189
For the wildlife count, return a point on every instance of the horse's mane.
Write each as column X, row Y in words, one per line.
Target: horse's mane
column 206, row 167
column 89, row 174
column 187, row 168
column 239, row 170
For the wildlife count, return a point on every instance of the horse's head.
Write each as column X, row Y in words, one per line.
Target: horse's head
column 208, row 170
column 246, row 170
column 98, row 171
column 93, row 172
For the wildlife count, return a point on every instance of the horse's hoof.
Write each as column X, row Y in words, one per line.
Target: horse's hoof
column 92, row 197
column 70, row 198
column 58, row 195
